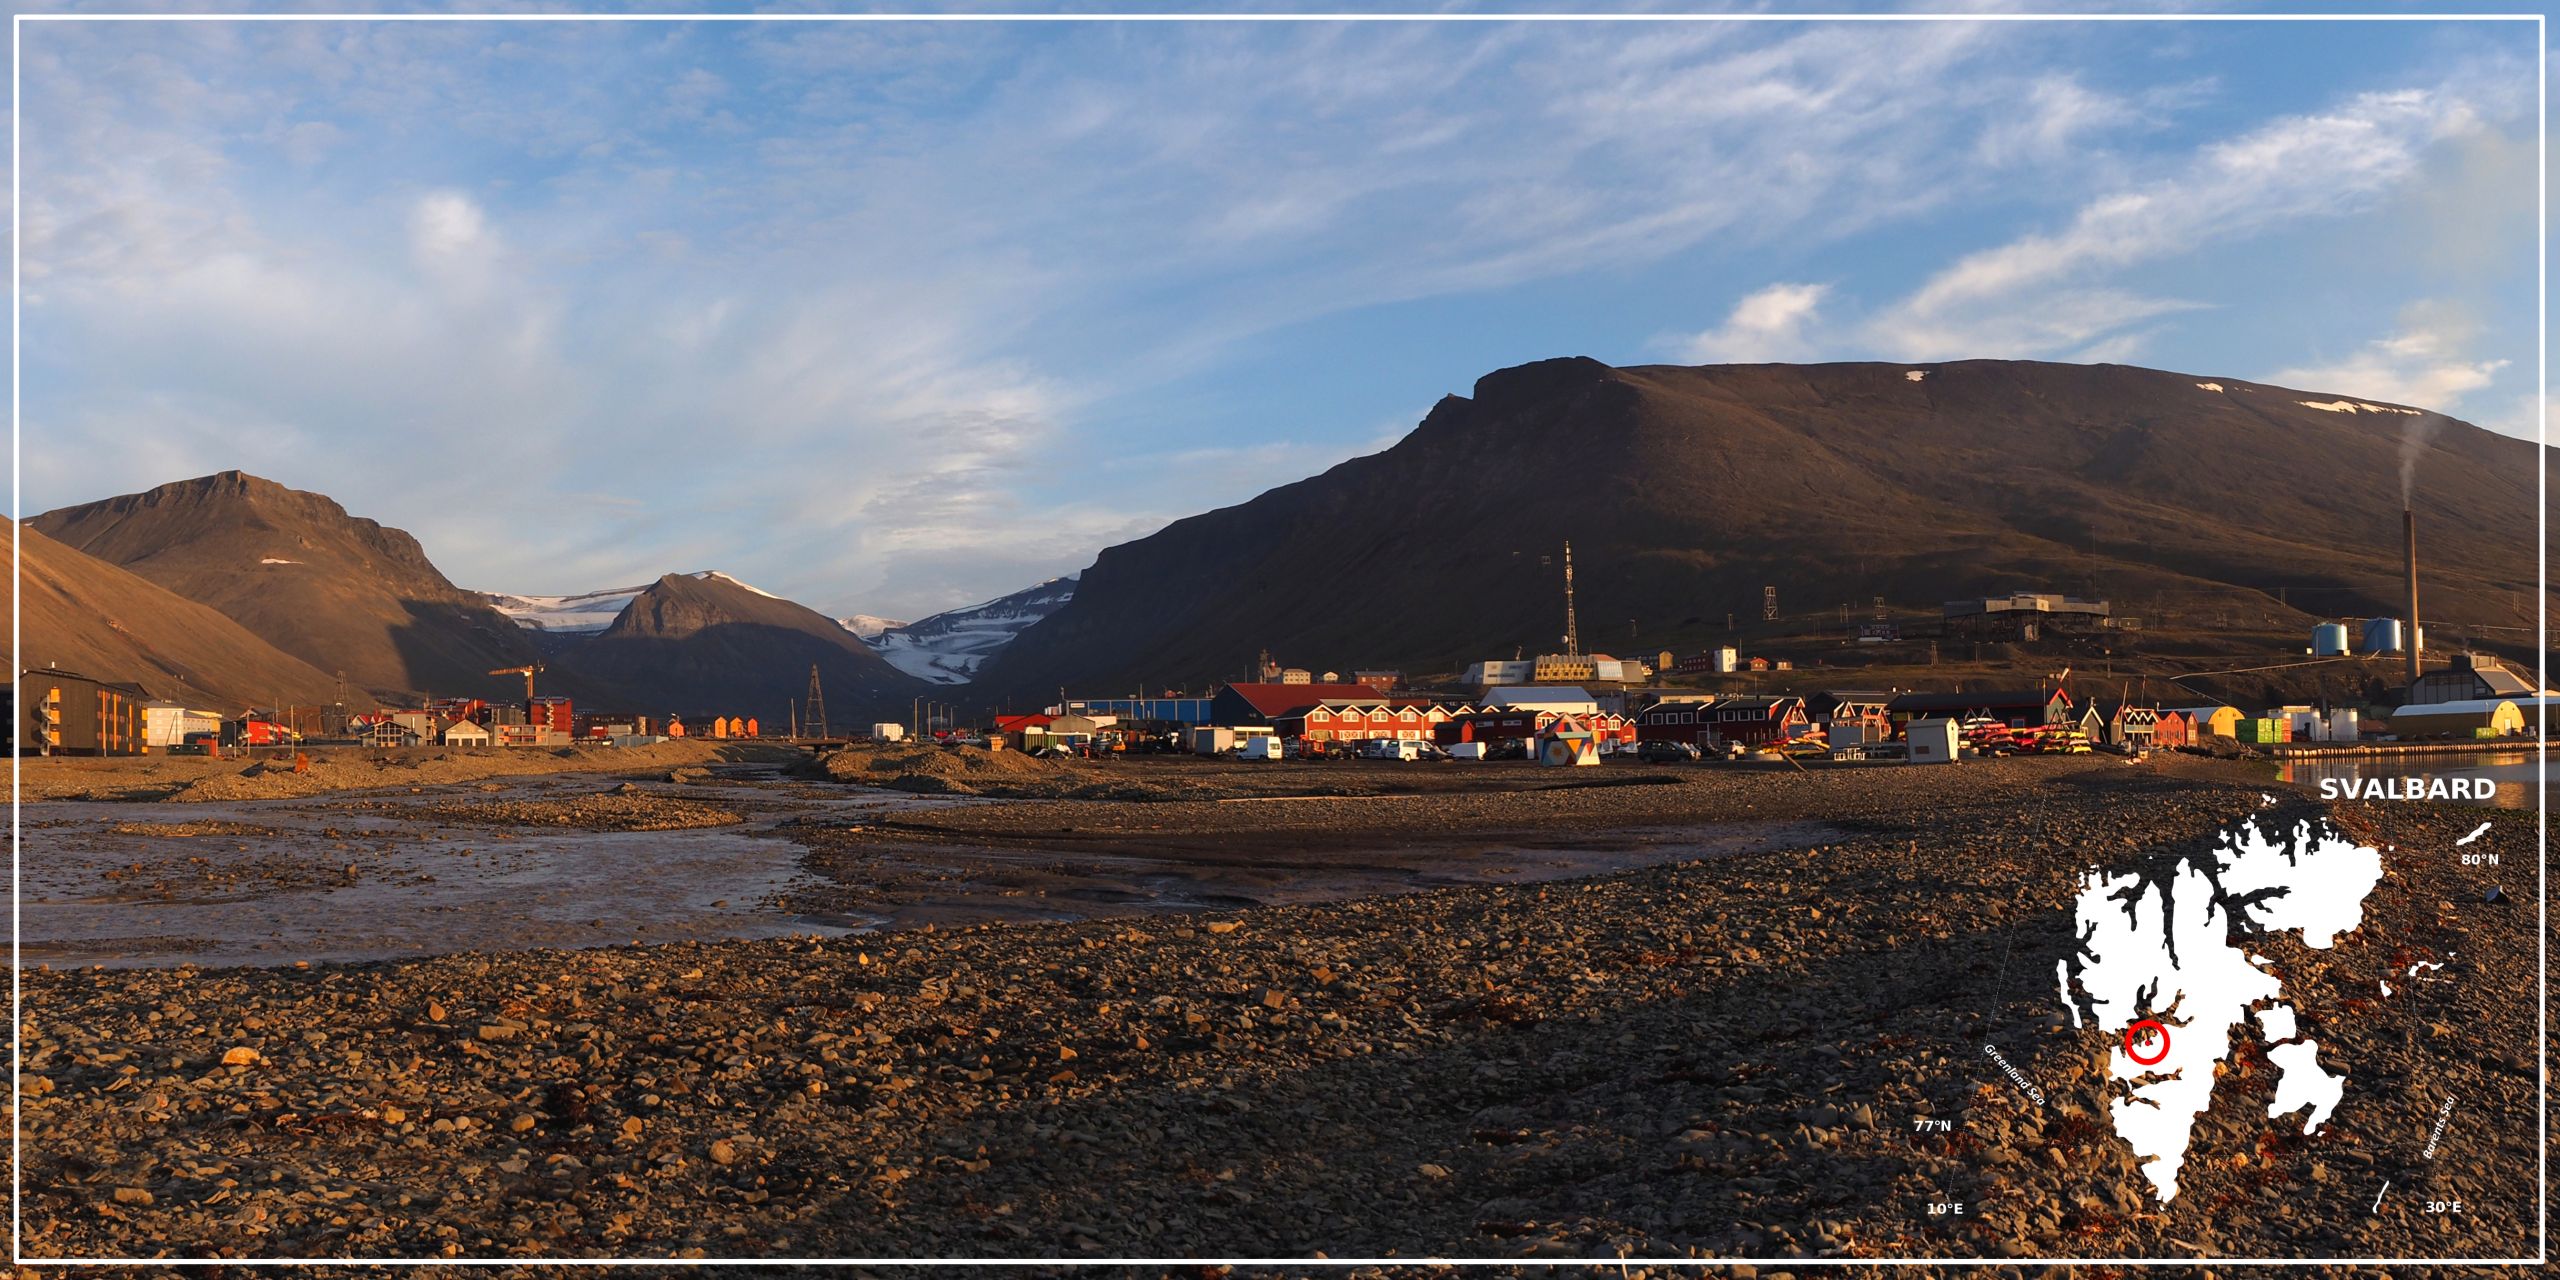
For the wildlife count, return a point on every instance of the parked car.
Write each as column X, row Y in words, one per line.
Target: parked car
column 1665, row 752
column 1507, row 749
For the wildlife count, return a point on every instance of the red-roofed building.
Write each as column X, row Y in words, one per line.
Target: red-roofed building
column 1346, row 721
column 1267, row 704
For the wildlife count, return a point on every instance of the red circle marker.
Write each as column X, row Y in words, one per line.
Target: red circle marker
column 2164, row 1042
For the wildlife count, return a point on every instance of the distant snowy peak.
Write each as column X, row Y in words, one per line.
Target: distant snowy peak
column 948, row 648
column 587, row 614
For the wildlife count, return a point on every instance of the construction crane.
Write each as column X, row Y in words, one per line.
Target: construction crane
column 527, row 672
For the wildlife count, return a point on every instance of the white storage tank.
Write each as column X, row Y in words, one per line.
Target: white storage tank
column 2329, row 640
column 2382, row 635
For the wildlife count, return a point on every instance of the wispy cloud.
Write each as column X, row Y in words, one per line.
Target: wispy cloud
column 2037, row 293
column 2428, row 362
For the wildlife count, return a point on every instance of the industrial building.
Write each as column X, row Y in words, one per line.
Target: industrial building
column 2477, row 718
column 1564, row 700
column 2022, row 616
column 2473, row 677
column 1555, row 668
column 1168, row 712
column 170, row 724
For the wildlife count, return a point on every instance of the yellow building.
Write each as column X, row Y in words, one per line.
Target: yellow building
column 2458, row 719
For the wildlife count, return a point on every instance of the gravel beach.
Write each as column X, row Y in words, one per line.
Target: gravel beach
column 1725, row 1057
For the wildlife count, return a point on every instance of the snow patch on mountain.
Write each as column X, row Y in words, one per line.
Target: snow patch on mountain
column 948, row 648
column 867, row 625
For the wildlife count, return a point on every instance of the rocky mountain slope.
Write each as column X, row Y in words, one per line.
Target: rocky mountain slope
column 711, row 645
column 85, row 615
column 1686, row 491
column 340, row 592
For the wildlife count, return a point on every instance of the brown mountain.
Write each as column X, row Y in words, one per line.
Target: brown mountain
column 2187, row 501
column 338, row 591
column 703, row 645
column 85, row 615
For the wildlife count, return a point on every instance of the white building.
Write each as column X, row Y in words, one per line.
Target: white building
column 1563, row 699
column 167, row 724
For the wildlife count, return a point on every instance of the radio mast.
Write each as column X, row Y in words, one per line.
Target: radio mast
column 1572, row 636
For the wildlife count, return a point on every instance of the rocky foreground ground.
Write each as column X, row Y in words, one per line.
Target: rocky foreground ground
column 1728, row 1058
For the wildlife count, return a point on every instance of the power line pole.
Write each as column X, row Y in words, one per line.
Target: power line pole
column 817, row 713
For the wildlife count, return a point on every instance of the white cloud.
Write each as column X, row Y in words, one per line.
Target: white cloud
column 1765, row 326
column 869, row 340
column 2428, row 362
column 2033, row 295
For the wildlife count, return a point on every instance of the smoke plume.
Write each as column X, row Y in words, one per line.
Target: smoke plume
column 2415, row 436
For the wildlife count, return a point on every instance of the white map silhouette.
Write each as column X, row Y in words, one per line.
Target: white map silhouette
column 2165, row 946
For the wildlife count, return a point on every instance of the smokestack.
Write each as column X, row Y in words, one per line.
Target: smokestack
column 2409, row 539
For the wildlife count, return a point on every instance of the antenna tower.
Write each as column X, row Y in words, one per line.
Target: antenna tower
column 1572, row 636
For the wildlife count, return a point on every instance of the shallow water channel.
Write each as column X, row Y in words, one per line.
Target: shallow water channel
column 349, row 876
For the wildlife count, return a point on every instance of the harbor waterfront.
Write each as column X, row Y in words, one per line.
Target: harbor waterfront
column 2506, row 779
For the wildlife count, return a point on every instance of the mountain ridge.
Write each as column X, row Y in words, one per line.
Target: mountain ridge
column 338, row 591
column 1687, row 490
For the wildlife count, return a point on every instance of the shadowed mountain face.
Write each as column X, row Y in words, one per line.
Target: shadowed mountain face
column 704, row 646
column 337, row 591
column 85, row 615
column 1685, row 492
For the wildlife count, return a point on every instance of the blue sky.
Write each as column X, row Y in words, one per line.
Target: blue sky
column 890, row 318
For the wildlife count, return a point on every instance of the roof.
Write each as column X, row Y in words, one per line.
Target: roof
column 2503, row 682
column 1969, row 701
column 2466, row 707
column 1764, row 703
column 1272, row 699
column 1528, row 694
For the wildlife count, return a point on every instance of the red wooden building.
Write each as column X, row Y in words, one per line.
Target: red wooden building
column 1751, row 721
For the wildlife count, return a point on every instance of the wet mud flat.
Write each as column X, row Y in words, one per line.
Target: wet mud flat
column 734, row 851
column 1721, row 1057
column 542, row 862
column 903, row 883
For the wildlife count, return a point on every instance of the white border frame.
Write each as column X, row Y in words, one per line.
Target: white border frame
column 2542, row 373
